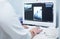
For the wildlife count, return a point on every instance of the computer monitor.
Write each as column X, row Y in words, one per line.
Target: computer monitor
column 41, row 14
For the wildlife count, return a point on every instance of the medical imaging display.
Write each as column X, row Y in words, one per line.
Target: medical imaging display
column 42, row 12
column 37, row 15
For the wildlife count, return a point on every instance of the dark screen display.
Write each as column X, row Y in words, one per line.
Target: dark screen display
column 42, row 12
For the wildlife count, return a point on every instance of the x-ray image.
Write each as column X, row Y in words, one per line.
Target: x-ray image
column 41, row 12
column 37, row 13
column 28, row 7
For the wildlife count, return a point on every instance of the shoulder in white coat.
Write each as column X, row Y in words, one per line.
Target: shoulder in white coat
column 10, row 23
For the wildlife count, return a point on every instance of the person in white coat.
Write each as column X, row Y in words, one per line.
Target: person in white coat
column 10, row 27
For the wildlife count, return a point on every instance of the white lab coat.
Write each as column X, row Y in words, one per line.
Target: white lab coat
column 10, row 27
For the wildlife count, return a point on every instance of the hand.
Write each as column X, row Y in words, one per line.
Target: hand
column 25, row 26
column 35, row 31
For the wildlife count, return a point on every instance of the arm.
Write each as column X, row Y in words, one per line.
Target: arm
column 11, row 25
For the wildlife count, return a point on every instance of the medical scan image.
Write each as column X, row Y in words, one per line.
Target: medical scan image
column 40, row 12
column 37, row 13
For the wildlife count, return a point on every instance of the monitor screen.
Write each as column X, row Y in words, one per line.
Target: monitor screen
column 38, row 12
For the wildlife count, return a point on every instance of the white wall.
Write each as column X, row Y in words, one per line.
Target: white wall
column 58, row 10
column 17, row 5
column 58, row 16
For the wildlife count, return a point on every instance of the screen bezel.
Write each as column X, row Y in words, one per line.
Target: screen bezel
column 42, row 23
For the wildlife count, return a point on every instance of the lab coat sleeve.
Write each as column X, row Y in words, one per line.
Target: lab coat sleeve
column 10, row 23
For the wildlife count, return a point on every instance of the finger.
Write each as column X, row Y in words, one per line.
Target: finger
column 33, row 33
